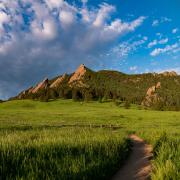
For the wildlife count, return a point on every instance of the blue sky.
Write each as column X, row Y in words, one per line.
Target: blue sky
column 45, row 38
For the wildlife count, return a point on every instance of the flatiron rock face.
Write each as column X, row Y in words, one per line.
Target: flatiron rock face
column 24, row 93
column 78, row 74
column 59, row 81
column 80, row 77
column 151, row 95
column 40, row 86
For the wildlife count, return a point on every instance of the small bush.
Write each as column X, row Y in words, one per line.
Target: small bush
column 127, row 105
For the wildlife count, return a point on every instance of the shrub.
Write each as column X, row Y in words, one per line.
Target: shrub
column 127, row 104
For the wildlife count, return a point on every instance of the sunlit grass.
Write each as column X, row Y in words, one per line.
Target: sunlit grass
column 72, row 153
column 31, row 126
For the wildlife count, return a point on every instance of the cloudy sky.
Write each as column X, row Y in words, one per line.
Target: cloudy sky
column 45, row 38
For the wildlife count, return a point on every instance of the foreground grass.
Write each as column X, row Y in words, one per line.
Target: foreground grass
column 62, row 154
column 166, row 162
column 34, row 129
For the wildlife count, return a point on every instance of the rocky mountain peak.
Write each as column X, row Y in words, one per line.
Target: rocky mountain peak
column 59, row 81
column 79, row 73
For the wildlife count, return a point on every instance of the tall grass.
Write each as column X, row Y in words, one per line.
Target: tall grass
column 166, row 164
column 62, row 154
column 166, row 150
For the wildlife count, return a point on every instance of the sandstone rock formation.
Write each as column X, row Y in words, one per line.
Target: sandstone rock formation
column 24, row 93
column 59, row 81
column 169, row 74
column 79, row 73
column 151, row 95
column 79, row 77
column 40, row 86
column 33, row 90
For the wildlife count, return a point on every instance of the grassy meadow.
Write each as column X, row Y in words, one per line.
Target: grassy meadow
column 64, row 139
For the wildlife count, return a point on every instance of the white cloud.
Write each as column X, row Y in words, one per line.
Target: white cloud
column 175, row 30
column 103, row 14
column 165, row 19
column 167, row 49
column 40, row 11
column 155, row 42
column 117, row 27
column 86, row 15
column 66, row 18
column 44, row 31
column 133, row 68
column 128, row 47
column 163, row 41
column 54, row 3
column 137, row 23
column 97, row 25
column 155, row 23
column 4, row 19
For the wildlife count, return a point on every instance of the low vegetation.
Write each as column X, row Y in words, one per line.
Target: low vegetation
column 36, row 143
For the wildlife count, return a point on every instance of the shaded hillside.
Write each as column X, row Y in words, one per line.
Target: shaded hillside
column 85, row 84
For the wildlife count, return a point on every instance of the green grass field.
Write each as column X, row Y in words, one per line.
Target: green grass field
column 76, row 140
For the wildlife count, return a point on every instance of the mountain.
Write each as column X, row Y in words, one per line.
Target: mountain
column 151, row 89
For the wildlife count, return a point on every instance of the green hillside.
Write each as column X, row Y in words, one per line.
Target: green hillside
column 85, row 84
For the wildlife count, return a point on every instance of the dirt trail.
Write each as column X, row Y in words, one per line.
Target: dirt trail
column 137, row 167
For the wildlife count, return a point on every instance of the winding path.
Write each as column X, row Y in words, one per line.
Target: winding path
column 138, row 166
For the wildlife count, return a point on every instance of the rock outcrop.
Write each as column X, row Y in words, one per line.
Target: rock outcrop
column 152, row 95
column 24, row 93
column 40, row 86
column 59, row 81
column 80, row 77
column 169, row 74
column 33, row 90
column 78, row 74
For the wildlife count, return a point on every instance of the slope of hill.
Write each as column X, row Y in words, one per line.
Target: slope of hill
column 85, row 84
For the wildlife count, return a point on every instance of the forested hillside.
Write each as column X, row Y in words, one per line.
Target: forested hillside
column 160, row 91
